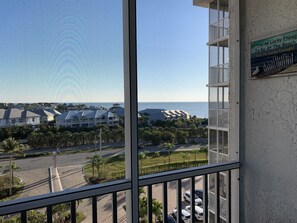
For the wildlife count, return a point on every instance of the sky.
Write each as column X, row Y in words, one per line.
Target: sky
column 72, row 51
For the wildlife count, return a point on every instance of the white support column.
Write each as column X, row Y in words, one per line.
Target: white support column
column 131, row 113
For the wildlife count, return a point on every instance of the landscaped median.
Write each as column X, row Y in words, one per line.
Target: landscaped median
column 17, row 188
column 114, row 167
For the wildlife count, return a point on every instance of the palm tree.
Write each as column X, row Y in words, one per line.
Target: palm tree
column 141, row 156
column 12, row 168
column 196, row 151
column 97, row 162
column 169, row 147
column 157, row 209
column 185, row 156
column 12, row 147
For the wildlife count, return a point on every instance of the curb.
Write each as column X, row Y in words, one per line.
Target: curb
column 51, row 179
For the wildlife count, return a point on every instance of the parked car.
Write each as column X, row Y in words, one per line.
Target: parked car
column 199, row 193
column 170, row 219
column 187, row 197
column 186, row 216
column 198, row 212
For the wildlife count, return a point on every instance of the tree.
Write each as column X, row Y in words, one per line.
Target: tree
column 181, row 137
column 12, row 147
column 141, row 156
column 185, row 156
column 146, row 135
column 196, row 151
column 12, row 168
column 168, row 137
column 157, row 208
column 96, row 162
column 169, row 147
column 33, row 216
column 156, row 137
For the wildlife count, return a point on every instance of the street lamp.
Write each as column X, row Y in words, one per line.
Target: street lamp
column 55, row 159
column 100, row 142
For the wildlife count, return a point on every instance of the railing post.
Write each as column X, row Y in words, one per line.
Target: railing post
column 205, row 198
column 149, row 204
column 229, row 197
column 94, row 209
column 165, row 202
column 178, row 201
column 192, row 203
column 131, row 111
column 49, row 214
column 218, row 198
column 24, row 217
column 114, row 207
column 73, row 211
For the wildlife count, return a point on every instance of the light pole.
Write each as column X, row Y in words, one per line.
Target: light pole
column 100, row 142
column 55, row 159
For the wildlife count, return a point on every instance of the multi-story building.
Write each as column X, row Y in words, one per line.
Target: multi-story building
column 218, row 87
column 18, row 117
column 46, row 115
column 265, row 189
column 87, row 118
column 164, row 115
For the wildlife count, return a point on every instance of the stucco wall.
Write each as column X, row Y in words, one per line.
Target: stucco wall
column 269, row 121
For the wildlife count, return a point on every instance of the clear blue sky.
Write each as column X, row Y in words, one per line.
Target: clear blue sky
column 72, row 51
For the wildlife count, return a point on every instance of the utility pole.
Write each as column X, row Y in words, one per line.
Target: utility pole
column 55, row 159
column 100, row 142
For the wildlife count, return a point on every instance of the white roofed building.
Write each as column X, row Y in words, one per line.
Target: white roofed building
column 18, row 117
column 87, row 118
column 164, row 115
column 46, row 115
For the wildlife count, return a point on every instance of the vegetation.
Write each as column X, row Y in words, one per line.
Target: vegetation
column 157, row 208
column 5, row 188
column 61, row 214
column 48, row 136
column 149, row 163
column 12, row 147
column 96, row 162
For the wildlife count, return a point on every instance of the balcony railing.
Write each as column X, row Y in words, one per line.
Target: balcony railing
column 72, row 196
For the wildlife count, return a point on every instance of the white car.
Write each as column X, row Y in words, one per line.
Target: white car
column 198, row 212
column 187, row 197
column 186, row 216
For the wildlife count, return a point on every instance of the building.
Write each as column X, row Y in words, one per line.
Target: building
column 262, row 134
column 218, row 88
column 18, row 117
column 155, row 114
column 87, row 118
column 46, row 115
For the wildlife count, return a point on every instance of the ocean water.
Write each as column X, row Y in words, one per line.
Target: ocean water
column 199, row 109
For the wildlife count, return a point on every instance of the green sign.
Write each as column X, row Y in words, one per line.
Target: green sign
column 274, row 55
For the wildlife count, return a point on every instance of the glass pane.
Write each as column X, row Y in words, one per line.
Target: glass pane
column 212, row 139
column 213, row 98
column 223, row 142
column 213, row 118
column 172, row 97
column 226, row 97
column 223, row 118
column 62, row 64
column 213, row 56
column 213, row 21
column 213, row 75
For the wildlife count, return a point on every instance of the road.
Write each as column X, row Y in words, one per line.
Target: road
column 80, row 158
column 62, row 160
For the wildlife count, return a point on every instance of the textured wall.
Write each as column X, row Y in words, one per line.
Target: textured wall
column 269, row 121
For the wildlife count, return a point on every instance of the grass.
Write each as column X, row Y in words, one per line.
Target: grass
column 80, row 217
column 17, row 188
column 114, row 166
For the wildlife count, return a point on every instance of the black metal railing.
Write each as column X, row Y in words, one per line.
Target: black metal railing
column 72, row 196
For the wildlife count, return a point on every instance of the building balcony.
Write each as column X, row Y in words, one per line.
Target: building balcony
column 184, row 179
